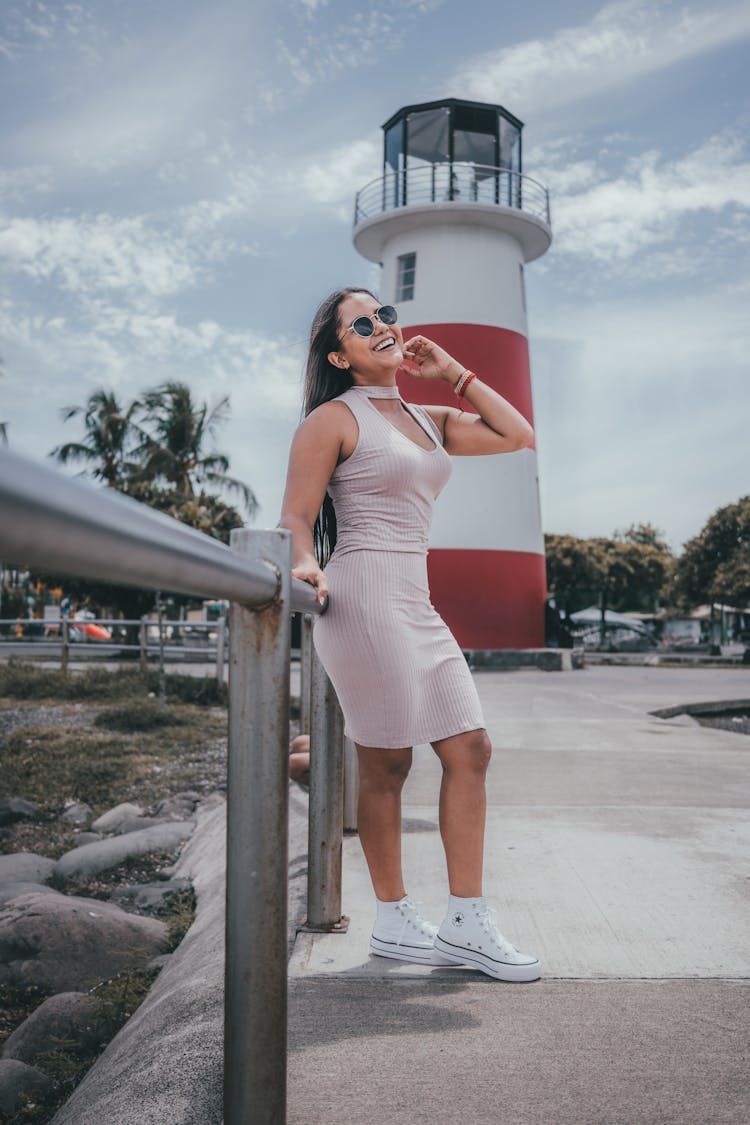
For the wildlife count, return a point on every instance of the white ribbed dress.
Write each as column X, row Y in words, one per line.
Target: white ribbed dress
column 398, row 672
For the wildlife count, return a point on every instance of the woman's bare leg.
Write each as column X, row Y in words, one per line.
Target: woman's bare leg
column 382, row 774
column 463, row 806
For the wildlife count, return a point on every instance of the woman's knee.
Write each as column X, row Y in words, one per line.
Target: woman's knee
column 385, row 770
column 467, row 752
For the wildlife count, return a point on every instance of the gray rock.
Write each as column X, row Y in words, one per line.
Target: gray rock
column 17, row 1079
column 149, row 896
column 77, row 813
column 76, row 1018
column 113, row 818
column 91, row 858
column 136, row 823
column 25, row 867
column 13, row 890
column 16, row 808
column 179, row 807
column 66, row 943
column 86, row 838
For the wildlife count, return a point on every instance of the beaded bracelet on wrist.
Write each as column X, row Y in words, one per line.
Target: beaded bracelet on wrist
column 463, row 382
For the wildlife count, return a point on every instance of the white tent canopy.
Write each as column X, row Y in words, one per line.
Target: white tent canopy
column 592, row 615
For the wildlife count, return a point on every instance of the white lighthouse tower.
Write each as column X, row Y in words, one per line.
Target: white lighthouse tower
column 452, row 220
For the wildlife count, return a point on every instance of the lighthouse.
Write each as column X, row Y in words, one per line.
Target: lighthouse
column 452, row 221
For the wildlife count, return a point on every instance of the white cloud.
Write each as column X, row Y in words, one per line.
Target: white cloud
column 621, row 43
column 19, row 184
column 31, row 25
column 646, row 204
column 117, row 345
column 89, row 254
column 336, row 177
column 146, row 90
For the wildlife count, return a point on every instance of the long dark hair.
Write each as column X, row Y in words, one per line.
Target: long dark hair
column 324, row 382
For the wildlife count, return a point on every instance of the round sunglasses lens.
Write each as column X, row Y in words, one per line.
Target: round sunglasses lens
column 387, row 315
column 363, row 326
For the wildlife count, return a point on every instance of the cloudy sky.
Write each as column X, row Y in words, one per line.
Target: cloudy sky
column 176, row 195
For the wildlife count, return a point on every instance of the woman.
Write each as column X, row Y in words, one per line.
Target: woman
column 364, row 471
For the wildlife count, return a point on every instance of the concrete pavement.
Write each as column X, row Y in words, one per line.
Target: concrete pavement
column 617, row 848
column 617, row 851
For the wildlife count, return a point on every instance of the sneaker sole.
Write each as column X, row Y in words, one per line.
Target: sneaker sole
column 408, row 953
column 500, row 970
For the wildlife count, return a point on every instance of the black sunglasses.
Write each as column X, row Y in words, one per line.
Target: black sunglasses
column 365, row 325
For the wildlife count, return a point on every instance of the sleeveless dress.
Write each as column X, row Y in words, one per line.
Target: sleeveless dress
column 399, row 675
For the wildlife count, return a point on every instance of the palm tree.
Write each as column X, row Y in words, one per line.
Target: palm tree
column 110, row 431
column 174, row 432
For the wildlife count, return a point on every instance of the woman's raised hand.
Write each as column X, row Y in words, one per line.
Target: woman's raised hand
column 311, row 572
column 426, row 360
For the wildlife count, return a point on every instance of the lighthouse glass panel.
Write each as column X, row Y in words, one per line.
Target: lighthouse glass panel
column 427, row 155
column 509, row 185
column 475, row 154
column 393, row 180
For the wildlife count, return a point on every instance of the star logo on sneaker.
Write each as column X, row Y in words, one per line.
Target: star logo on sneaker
column 457, row 919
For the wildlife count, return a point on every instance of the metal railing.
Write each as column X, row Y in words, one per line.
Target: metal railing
column 53, row 522
column 63, row 637
column 456, row 181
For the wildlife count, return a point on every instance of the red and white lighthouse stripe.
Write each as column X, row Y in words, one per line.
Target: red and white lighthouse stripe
column 486, row 561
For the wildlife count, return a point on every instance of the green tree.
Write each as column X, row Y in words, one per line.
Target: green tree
column 624, row 573
column 650, row 561
column 107, row 442
column 646, row 535
column 174, row 434
column 202, row 510
column 573, row 571
column 715, row 565
column 154, row 451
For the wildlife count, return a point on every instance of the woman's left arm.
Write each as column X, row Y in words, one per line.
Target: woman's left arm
column 496, row 428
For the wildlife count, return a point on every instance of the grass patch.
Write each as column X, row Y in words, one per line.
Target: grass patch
column 137, row 717
column 51, row 765
column 21, row 679
column 134, row 869
column 180, row 917
column 16, row 1003
column 48, row 765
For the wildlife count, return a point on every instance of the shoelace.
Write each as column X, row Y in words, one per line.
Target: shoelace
column 488, row 922
column 424, row 927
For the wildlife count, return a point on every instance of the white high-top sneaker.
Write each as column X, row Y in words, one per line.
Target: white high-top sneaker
column 469, row 936
column 401, row 932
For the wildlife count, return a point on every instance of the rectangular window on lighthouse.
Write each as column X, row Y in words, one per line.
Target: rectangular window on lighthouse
column 407, row 268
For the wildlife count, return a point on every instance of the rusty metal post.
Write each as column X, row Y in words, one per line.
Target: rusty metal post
column 221, row 628
column 162, row 676
column 305, row 667
column 326, row 826
column 65, row 631
column 351, row 785
column 255, row 1047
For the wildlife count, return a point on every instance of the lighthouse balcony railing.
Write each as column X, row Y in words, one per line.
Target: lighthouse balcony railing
column 454, row 181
